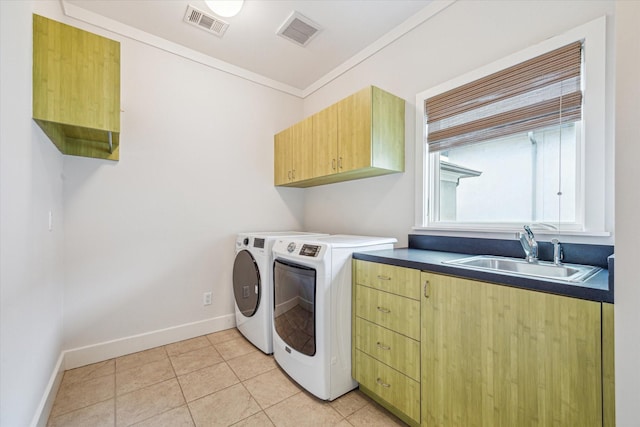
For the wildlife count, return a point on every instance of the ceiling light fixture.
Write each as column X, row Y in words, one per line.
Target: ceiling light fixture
column 225, row 8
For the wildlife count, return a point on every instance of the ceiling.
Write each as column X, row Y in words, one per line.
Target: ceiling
column 350, row 29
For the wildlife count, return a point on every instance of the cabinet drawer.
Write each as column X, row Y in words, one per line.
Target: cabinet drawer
column 391, row 348
column 394, row 312
column 392, row 386
column 389, row 278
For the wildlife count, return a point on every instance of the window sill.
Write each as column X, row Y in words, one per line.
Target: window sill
column 466, row 230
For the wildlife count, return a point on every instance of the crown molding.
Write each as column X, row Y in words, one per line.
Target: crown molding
column 132, row 33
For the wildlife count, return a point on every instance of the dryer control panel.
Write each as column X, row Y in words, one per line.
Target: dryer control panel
column 310, row 250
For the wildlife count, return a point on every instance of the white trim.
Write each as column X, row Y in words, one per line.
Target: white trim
column 127, row 31
column 46, row 403
column 594, row 147
column 109, row 349
column 422, row 16
column 94, row 353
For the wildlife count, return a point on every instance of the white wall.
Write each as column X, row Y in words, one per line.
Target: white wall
column 627, row 312
column 431, row 55
column 31, row 276
column 146, row 236
column 463, row 37
column 135, row 243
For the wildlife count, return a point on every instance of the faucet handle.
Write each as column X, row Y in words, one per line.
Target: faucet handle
column 529, row 232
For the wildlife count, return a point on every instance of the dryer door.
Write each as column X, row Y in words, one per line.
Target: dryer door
column 246, row 283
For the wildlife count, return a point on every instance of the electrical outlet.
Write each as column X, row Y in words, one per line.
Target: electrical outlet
column 206, row 298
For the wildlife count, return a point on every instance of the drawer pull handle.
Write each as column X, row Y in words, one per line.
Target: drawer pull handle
column 383, row 310
column 382, row 346
column 382, row 383
column 383, row 277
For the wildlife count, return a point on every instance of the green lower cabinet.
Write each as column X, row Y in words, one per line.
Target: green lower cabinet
column 386, row 337
column 484, row 355
column 501, row 356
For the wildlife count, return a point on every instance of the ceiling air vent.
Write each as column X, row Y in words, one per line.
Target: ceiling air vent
column 204, row 21
column 299, row 29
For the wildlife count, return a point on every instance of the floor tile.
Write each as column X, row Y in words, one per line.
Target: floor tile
column 303, row 410
column 206, row 381
column 178, row 417
column 349, row 403
column 101, row 414
column 271, row 387
column 148, row 402
column 222, row 336
column 79, row 395
column 186, row 345
column 142, row 376
column 89, row 372
column 252, row 364
column 375, row 416
column 141, row 358
column 224, row 408
column 235, row 348
column 258, row 420
column 197, row 359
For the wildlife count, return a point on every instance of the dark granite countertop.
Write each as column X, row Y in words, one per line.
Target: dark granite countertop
column 596, row 288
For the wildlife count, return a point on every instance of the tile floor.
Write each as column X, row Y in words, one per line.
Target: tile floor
column 214, row 380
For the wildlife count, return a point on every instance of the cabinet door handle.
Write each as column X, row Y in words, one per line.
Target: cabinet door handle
column 293, row 174
column 382, row 383
column 333, row 164
column 383, row 310
column 340, row 162
column 382, row 346
column 383, row 277
column 289, row 175
column 426, row 289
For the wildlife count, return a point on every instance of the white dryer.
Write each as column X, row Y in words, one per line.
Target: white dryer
column 312, row 314
column 253, row 285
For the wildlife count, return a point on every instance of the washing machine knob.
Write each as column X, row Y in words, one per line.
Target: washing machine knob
column 291, row 247
column 245, row 241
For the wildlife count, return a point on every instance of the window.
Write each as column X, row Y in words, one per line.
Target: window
column 517, row 141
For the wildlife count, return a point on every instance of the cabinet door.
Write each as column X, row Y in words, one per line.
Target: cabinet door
column 301, row 147
column 282, row 157
column 354, row 131
column 393, row 312
column 325, row 142
column 388, row 278
column 76, row 89
column 501, row 356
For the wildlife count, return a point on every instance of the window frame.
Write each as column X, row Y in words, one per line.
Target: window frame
column 590, row 209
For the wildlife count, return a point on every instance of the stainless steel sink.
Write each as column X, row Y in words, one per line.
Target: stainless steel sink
column 520, row 267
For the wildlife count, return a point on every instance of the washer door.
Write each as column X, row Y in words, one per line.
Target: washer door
column 246, row 283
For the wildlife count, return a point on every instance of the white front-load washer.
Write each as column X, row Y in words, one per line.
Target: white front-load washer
column 312, row 309
column 253, row 285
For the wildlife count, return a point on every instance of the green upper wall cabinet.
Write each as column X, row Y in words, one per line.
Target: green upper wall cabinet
column 76, row 89
column 358, row 137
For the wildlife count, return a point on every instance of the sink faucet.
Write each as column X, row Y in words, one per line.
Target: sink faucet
column 557, row 252
column 529, row 244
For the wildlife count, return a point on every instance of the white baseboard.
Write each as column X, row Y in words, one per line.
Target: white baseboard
column 44, row 408
column 94, row 353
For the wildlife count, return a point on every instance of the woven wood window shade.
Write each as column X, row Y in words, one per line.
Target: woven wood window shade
column 537, row 93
